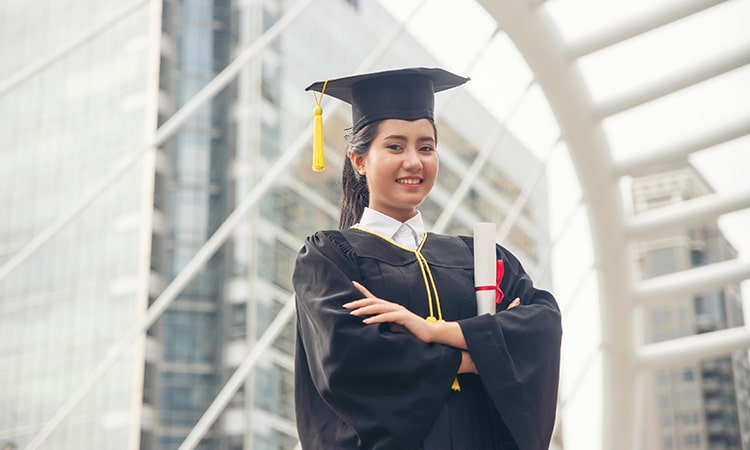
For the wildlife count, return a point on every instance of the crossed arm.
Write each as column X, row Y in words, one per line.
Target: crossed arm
column 383, row 311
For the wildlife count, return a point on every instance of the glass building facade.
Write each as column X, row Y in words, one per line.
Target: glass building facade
column 66, row 127
column 704, row 405
column 191, row 200
column 70, row 117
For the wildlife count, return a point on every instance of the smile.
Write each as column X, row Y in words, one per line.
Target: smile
column 409, row 181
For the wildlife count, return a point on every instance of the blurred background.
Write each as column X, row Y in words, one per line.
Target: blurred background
column 155, row 186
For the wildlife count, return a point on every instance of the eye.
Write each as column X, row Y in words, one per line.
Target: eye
column 394, row 147
column 427, row 148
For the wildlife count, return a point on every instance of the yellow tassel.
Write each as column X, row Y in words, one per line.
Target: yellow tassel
column 319, row 162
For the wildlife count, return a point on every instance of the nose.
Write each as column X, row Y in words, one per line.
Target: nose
column 412, row 160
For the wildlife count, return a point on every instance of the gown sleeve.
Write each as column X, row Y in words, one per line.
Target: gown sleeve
column 387, row 387
column 517, row 355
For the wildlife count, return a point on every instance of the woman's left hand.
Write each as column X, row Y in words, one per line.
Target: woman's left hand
column 383, row 311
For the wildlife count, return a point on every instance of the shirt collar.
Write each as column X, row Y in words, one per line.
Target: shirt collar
column 387, row 226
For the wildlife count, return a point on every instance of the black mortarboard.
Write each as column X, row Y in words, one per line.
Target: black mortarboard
column 407, row 94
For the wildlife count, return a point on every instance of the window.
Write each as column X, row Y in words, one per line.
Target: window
column 147, row 440
column 235, row 443
column 697, row 257
column 692, row 440
column 238, row 327
column 149, row 388
column 185, row 396
column 189, row 336
column 689, row 398
column 663, row 261
column 690, row 418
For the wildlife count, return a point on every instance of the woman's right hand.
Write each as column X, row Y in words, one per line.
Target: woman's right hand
column 383, row 311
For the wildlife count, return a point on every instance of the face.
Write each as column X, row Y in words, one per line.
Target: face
column 400, row 167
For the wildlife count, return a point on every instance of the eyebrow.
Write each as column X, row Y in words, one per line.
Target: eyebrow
column 404, row 138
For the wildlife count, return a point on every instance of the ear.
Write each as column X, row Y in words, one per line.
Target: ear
column 358, row 162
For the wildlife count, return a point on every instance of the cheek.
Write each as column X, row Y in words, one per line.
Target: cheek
column 433, row 165
column 383, row 165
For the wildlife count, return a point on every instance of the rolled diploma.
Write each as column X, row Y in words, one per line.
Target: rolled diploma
column 485, row 266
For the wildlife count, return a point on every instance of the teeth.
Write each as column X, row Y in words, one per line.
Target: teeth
column 408, row 181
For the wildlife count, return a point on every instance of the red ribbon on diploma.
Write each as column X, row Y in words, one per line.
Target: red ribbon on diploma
column 499, row 272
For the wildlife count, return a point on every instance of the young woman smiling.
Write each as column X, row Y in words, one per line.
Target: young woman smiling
column 400, row 166
column 390, row 351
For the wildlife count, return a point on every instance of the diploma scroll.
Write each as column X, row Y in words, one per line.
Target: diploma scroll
column 485, row 264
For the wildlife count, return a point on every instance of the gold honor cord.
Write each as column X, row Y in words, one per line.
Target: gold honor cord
column 429, row 283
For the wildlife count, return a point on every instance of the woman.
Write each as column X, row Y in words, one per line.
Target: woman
column 390, row 352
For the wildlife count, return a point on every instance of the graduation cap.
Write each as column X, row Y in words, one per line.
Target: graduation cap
column 407, row 94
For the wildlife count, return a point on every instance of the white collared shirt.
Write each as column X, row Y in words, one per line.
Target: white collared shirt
column 409, row 233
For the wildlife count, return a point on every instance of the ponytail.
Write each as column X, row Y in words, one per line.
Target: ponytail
column 356, row 195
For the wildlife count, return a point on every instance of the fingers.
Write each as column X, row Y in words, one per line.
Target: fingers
column 377, row 309
column 362, row 289
column 392, row 316
column 367, row 308
column 363, row 302
column 370, row 305
column 370, row 298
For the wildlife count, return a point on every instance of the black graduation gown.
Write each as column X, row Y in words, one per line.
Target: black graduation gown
column 363, row 386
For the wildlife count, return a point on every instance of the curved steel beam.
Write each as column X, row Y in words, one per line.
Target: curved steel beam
column 690, row 282
column 733, row 128
column 693, row 348
column 539, row 42
column 662, row 14
column 678, row 216
column 701, row 71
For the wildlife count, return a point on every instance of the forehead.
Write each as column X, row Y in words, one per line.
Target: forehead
column 413, row 129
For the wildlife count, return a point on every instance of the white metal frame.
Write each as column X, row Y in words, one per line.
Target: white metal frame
column 552, row 61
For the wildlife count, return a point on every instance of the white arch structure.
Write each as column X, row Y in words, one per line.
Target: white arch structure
column 553, row 63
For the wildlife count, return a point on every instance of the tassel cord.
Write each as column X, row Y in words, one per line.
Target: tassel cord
column 319, row 161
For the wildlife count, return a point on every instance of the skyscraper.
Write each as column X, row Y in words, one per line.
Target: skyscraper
column 704, row 405
column 68, row 126
column 77, row 102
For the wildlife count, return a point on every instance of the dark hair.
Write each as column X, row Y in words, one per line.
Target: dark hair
column 356, row 195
